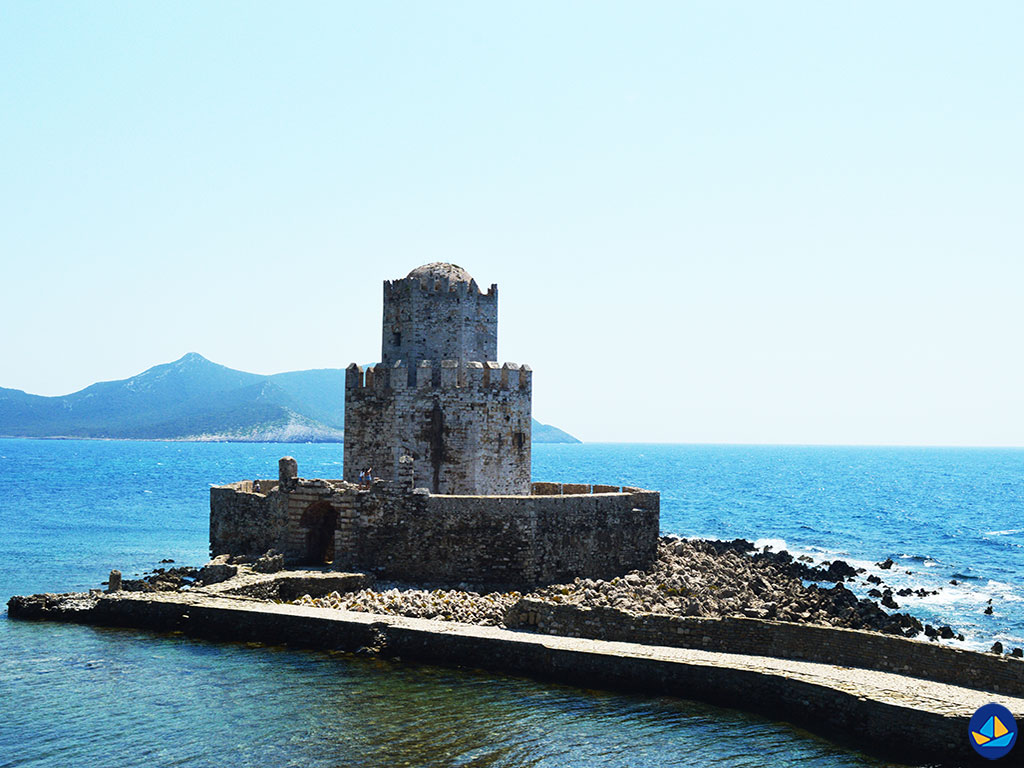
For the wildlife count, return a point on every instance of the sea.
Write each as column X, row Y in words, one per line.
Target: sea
column 70, row 511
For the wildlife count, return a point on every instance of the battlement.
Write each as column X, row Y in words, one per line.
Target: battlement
column 451, row 374
column 439, row 285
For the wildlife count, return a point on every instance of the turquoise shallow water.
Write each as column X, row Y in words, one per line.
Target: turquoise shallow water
column 70, row 511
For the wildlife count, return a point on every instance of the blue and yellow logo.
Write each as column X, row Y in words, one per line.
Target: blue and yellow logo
column 993, row 731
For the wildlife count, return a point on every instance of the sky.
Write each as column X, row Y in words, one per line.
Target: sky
column 728, row 222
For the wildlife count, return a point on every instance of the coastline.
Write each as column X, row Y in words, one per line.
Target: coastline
column 146, row 537
column 893, row 716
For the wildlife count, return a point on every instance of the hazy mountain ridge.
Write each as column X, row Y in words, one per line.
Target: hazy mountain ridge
column 195, row 399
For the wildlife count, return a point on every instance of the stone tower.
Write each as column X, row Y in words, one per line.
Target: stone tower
column 437, row 394
column 438, row 313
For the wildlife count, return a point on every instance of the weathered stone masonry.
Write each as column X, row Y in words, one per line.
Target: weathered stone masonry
column 400, row 533
column 447, row 433
column 468, row 428
column 437, row 394
column 779, row 639
column 436, row 313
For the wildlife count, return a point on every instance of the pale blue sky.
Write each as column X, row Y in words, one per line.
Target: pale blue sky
column 710, row 222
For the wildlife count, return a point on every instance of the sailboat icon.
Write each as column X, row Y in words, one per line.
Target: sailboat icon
column 993, row 734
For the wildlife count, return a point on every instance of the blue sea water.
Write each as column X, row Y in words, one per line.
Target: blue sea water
column 72, row 510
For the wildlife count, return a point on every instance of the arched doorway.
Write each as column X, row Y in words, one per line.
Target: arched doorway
column 319, row 521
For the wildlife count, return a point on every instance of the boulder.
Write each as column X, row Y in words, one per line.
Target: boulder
column 839, row 570
column 217, row 570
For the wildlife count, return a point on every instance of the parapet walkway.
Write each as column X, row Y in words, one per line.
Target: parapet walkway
column 896, row 717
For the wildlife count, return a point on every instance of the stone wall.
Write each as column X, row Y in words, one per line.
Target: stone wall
column 888, row 718
column 437, row 319
column 398, row 533
column 467, row 425
column 498, row 542
column 243, row 522
column 757, row 637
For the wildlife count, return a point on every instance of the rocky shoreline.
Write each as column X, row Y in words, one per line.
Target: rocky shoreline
column 691, row 577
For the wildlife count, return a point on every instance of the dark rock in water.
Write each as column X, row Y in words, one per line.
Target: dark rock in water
column 887, row 600
column 910, row 625
column 997, row 647
column 136, row 585
column 874, row 579
column 886, row 564
column 739, row 546
column 67, row 605
column 839, row 570
column 988, row 611
column 167, row 560
column 954, row 582
column 114, row 581
column 161, row 580
column 874, row 593
column 1017, row 652
column 905, row 592
column 930, row 631
column 946, row 633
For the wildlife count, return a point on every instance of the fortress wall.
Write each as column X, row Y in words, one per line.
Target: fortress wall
column 831, row 645
column 468, row 425
column 496, row 541
column 595, row 536
column 504, row 541
column 438, row 320
column 246, row 523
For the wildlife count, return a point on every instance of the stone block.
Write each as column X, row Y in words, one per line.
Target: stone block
column 217, row 570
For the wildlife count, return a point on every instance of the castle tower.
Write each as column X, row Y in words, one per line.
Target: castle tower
column 437, row 394
column 437, row 313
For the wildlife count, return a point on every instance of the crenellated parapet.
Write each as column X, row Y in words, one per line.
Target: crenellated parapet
column 467, row 424
column 442, row 285
column 436, row 313
column 438, row 395
column 451, row 374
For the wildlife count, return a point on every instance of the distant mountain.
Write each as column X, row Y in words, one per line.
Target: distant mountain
column 545, row 433
column 195, row 399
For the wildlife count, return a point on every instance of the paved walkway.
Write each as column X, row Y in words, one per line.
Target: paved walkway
column 898, row 717
column 899, row 690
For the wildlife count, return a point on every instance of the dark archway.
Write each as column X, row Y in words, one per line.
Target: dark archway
column 319, row 521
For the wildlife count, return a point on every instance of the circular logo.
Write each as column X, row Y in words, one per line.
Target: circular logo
column 993, row 731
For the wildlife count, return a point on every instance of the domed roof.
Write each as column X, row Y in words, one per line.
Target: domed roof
column 439, row 269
